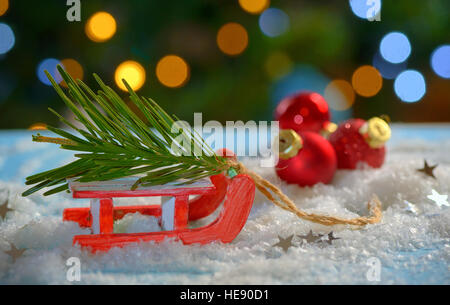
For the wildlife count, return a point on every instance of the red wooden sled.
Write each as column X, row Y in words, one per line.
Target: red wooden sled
column 174, row 213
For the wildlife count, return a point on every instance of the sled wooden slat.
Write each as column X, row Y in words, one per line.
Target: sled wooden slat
column 122, row 188
column 83, row 215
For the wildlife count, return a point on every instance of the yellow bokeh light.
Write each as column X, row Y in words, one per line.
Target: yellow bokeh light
column 339, row 94
column 38, row 126
column 74, row 68
column 101, row 27
column 132, row 72
column 277, row 65
column 254, row 6
column 4, row 5
column 367, row 81
column 232, row 39
column 172, row 71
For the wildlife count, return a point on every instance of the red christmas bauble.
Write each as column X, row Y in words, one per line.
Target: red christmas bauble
column 357, row 141
column 310, row 162
column 304, row 111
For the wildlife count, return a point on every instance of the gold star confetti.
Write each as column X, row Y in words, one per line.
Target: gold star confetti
column 4, row 209
column 331, row 238
column 427, row 170
column 310, row 238
column 438, row 199
column 284, row 243
column 15, row 253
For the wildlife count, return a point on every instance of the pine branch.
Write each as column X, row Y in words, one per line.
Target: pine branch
column 116, row 143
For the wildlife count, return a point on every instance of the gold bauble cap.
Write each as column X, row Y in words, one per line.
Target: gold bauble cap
column 289, row 143
column 328, row 128
column 376, row 131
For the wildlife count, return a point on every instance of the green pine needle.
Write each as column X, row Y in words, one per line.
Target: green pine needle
column 116, row 143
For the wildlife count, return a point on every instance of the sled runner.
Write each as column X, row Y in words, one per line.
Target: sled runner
column 174, row 213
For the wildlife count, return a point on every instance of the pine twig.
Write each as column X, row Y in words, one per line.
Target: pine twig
column 39, row 138
column 116, row 143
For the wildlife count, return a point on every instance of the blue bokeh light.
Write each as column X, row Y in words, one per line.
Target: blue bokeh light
column 273, row 22
column 7, row 38
column 7, row 84
column 387, row 69
column 305, row 77
column 440, row 61
column 365, row 9
column 395, row 47
column 48, row 64
column 410, row 86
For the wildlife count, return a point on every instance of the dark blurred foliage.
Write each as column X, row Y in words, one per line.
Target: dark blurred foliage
column 324, row 34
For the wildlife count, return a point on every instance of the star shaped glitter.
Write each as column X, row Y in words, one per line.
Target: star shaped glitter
column 14, row 252
column 4, row 209
column 427, row 170
column 284, row 243
column 438, row 199
column 331, row 238
column 411, row 208
column 310, row 238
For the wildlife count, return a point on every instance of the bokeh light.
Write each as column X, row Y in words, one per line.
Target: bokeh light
column 4, row 5
column 172, row 71
column 7, row 39
column 277, row 65
column 38, row 126
column 254, row 6
column 304, row 77
column 8, row 83
column 440, row 61
column 387, row 69
column 101, row 27
column 273, row 22
column 365, row 9
column 48, row 64
column 72, row 67
column 395, row 47
column 410, row 86
column 232, row 39
column 132, row 72
column 367, row 81
column 339, row 94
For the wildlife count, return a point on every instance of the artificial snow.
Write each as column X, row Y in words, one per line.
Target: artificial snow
column 410, row 248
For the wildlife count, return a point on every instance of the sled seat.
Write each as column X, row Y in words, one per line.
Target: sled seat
column 100, row 216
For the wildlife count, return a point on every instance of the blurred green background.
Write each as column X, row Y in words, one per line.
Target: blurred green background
column 292, row 45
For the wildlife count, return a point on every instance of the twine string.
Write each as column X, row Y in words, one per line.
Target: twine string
column 276, row 196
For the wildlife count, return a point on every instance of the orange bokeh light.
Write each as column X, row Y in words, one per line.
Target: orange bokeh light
column 4, row 5
column 339, row 94
column 254, row 6
column 232, row 39
column 101, row 27
column 367, row 81
column 72, row 67
column 38, row 126
column 172, row 71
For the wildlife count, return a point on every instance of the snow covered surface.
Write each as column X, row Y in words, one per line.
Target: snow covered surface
column 412, row 249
